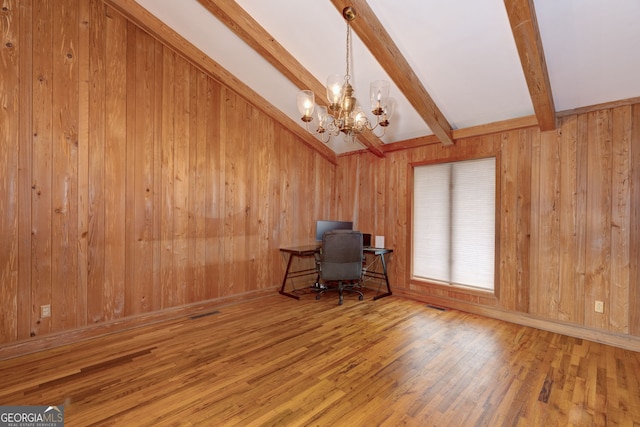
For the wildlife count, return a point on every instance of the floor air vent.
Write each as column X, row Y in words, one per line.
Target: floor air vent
column 198, row 316
column 435, row 307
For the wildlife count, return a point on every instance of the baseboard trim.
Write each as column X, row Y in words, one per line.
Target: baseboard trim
column 628, row 342
column 58, row 339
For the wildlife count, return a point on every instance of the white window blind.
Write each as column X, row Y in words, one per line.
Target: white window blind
column 454, row 223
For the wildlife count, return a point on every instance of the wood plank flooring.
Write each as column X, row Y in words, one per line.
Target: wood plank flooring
column 275, row 361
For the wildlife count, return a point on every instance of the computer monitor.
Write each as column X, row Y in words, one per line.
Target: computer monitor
column 322, row 226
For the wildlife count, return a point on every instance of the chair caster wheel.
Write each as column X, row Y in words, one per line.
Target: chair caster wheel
column 317, row 296
column 340, row 302
column 361, row 297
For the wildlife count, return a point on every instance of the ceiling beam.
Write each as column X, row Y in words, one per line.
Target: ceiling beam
column 465, row 133
column 496, row 127
column 249, row 30
column 145, row 20
column 524, row 26
column 383, row 48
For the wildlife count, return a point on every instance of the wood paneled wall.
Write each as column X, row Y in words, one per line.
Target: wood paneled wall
column 132, row 181
column 567, row 219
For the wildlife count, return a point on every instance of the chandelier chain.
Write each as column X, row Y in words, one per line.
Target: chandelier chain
column 348, row 75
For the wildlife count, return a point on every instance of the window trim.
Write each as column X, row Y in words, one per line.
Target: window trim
column 455, row 289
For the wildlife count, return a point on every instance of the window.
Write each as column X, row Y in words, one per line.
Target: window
column 454, row 223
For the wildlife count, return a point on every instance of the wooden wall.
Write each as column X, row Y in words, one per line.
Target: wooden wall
column 133, row 182
column 568, row 216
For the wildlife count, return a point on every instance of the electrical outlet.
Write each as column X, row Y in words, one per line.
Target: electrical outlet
column 599, row 308
column 45, row 310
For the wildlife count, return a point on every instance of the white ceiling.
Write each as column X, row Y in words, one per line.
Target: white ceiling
column 463, row 52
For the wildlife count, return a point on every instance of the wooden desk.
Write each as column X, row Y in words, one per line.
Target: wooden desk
column 298, row 252
column 310, row 251
column 379, row 254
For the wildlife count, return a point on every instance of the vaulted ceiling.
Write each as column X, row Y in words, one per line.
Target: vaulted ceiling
column 455, row 66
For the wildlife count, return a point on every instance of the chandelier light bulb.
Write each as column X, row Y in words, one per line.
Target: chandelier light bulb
column 306, row 104
column 335, row 83
column 387, row 112
column 323, row 117
column 360, row 119
column 378, row 92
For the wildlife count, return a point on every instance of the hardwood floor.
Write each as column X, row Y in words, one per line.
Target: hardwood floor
column 276, row 361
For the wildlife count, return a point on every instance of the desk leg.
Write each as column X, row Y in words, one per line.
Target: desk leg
column 284, row 280
column 386, row 279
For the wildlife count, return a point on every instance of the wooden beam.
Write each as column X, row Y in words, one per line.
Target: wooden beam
column 145, row 20
column 383, row 48
column 596, row 107
column 524, row 26
column 496, row 127
column 249, row 30
column 470, row 132
column 411, row 143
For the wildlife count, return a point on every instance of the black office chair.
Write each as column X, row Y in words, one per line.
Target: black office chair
column 340, row 263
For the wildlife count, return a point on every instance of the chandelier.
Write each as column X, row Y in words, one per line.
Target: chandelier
column 343, row 114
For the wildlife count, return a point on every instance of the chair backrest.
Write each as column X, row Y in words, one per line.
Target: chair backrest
column 341, row 256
